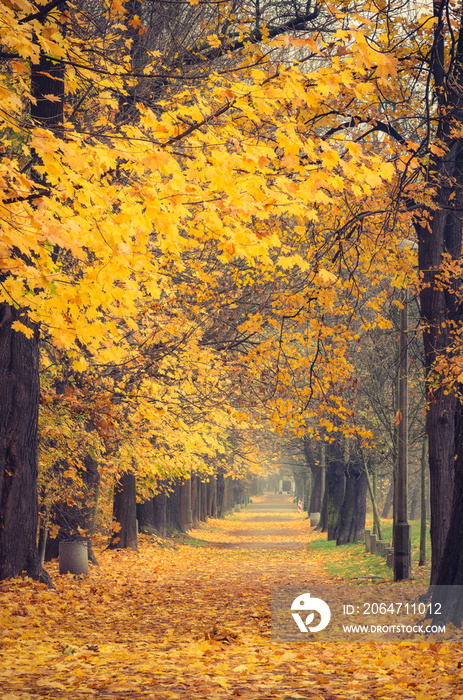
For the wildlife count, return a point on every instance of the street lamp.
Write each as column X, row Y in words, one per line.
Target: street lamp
column 402, row 528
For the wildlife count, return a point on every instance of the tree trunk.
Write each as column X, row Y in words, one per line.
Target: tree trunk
column 422, row 559
column 450, row 574
column 316, row 493
column 388, row 501
column 125, row 513
column 323, row 525
column 439, row 241
column 352, row 518
column 145, row 516
column 160, row 513
column 186, row 517
column 315, row 502
column 438, row 312
column 173, row 508
column 441, row 416
column 335, row 486
column 195, row 510
column 203, row 497
column 414, row 502
column 451, row 567
column 221, row 495
column 19, row 380
column 19, row 406
column 377, row 529
column 212, row 497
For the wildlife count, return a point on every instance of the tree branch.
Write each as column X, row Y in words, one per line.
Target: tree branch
column 297, row 23
column 42, row 13
column 375, row 126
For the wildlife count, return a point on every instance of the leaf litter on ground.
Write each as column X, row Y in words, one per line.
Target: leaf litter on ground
column 194, row 622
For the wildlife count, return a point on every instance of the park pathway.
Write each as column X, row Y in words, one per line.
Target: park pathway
column 270, row 521
column 190, row 620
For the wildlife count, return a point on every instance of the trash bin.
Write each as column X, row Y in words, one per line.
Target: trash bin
column 73, row 557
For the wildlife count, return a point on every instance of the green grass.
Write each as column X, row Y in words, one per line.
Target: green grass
column 352, row 562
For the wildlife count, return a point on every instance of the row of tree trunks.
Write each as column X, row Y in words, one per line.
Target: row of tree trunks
column 225, row 495
column 125, row 513
column 179, row 506
column 212, row 497
column 317, row 471
column 152, row 515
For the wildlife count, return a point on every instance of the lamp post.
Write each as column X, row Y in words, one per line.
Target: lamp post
column 401, row 529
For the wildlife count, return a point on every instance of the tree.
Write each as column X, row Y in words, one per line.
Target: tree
column 124, row 513
column 351, row 525
column 335, row 488
column 440, row 245
column 19, row 361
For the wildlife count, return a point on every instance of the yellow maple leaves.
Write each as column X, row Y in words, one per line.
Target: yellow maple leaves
column 153, row 619
column 18, row 326
column 96, row 217
column 251, row 171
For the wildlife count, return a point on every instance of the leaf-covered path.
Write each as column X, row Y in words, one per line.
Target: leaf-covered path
column 193, row 622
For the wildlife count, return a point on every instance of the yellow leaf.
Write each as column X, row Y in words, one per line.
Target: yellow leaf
column 325, row 277
column 214, row 40
column 437, row 150
column 80, row 365
column 52, row 98
column 18, row 326
column 222, row 681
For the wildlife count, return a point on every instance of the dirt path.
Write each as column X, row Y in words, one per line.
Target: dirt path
column 193, row 623
column 271, row 522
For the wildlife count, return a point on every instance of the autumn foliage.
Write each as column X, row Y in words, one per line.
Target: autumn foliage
column 185, row 257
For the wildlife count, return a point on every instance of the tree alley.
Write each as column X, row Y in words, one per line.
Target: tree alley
column 145, row 218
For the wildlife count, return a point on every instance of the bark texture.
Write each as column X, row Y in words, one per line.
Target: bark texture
column 19, row 391
column 351, row 527
column 125, row 513
column 160, row 513
column 439, row 243
column 335, row 486
column 145, row 516
column 440, row 305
